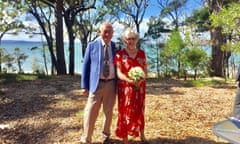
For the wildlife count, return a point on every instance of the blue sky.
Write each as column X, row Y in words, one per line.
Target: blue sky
column 152, row 10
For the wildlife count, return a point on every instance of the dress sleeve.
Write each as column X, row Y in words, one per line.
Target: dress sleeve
column 117, row 60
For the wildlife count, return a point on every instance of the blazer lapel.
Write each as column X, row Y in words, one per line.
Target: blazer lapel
column 100, row 51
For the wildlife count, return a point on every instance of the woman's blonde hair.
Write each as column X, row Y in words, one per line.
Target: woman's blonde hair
column 130, row 31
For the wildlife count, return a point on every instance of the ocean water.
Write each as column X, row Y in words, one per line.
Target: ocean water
column 25, row 47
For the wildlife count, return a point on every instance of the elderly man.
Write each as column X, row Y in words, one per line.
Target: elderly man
column 98, row 82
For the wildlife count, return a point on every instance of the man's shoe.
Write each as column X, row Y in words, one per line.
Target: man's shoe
column 106, row 140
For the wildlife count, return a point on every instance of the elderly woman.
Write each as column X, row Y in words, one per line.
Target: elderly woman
column 131, row 93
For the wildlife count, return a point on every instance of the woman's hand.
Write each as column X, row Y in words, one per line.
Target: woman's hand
column 138, row 83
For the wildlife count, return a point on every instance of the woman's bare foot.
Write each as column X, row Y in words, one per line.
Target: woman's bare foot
column 125, row 140
column 142, row 136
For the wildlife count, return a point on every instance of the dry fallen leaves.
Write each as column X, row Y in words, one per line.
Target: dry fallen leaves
column 50, row 111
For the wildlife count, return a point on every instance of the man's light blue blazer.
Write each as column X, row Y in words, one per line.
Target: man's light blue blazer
column 92, row 64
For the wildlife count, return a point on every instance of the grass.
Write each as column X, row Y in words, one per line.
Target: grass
column 11, row 78
column 199, row 83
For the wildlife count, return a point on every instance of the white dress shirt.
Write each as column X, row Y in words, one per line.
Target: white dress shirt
column 111, row 65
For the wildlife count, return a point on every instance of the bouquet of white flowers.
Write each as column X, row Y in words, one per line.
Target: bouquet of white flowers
column 136, row 73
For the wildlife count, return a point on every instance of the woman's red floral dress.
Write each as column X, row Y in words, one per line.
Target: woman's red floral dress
column 131, row 101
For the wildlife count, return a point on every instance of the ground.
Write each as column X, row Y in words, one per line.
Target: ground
column 50, row 111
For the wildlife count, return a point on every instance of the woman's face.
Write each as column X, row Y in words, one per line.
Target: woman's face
column 131, row 40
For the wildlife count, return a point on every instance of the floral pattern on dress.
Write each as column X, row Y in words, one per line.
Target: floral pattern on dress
column 131, row 101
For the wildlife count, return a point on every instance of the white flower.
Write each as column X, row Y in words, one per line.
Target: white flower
column 136, row 73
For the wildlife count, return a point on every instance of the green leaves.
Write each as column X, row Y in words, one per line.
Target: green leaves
column 200, row 18
column 10, row 17
column 228, row 19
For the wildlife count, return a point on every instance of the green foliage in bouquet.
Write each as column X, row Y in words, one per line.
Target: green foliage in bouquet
column 136, row 73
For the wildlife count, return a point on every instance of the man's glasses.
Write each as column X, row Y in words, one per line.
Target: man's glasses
column 131, row 38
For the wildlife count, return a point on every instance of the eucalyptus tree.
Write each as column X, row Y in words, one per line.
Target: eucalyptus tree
column 10, row 22
column 44, row 15
column 57, row 6
column 19, row 59
column 172, row 53
column 172, row 10
column 219, row 56
column 61, row 64
column 88, row 22
column 35, row 66
column 155, row 34
column 8, row 59
column 167, row 63
column 198, row 23
column 197, row 60
column 229, row 20
column 86, row 27
column 176, row 47
column 71, row 11
column 201, row 19
column 10, row 18
column 218, row 39
column 128, row 12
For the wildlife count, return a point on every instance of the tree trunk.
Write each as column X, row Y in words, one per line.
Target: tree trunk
column 69, row 21
column 45, row 60
column 61, row 65
column 71, row 52
column 217, row 64
column 84, row 45
column 195, row 74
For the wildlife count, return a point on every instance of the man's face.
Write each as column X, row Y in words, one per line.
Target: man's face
column 106, row 32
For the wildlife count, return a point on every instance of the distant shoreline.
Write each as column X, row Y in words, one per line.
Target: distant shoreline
column 30, row 41
column 21, row 41
column 35, row 56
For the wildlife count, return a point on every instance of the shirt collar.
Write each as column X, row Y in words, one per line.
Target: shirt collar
column 103, row 44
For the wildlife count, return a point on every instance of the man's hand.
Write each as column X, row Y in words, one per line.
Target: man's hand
column 84, row 92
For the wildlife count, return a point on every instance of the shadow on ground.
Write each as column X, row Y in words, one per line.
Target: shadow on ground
column 188, row 140
column 28, row 103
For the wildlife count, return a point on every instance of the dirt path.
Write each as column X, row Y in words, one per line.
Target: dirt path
column 50, row 112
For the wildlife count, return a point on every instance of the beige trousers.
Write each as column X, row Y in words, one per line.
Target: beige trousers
column 105, row 95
